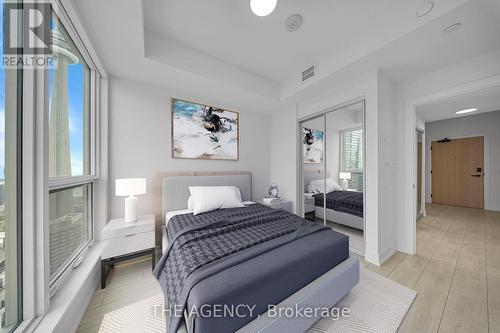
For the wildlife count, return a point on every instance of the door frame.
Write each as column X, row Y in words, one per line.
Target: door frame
column 422, row 193
column 407, row 236
column 486, row 167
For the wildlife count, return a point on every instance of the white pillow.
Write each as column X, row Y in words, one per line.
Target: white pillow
column 190, row 203
column 332, row 185
column 208, row 198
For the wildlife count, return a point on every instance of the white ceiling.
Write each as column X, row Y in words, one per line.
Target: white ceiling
column 336, row 29
column 485, row 100
column 229, row 56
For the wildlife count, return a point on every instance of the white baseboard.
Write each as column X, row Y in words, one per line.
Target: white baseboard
column 385, row 255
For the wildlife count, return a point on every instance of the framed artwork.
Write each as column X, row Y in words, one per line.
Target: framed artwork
column 312, row 145
column 204, row 132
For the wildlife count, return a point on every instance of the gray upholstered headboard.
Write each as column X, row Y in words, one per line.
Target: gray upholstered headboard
column 175, row 189
column 311, row 174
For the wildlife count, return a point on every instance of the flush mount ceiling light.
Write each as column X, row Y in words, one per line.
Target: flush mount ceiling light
column 466, row 111
column 452, row 28
column 262, row 7
column 425, row 9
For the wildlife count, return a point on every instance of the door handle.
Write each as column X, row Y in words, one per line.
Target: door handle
column 475, row 175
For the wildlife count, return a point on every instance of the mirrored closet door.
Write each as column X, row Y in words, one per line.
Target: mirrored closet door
column 333, row 149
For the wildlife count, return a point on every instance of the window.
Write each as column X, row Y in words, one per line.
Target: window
column 71, row 174
column 10, row 218
column 352, row 157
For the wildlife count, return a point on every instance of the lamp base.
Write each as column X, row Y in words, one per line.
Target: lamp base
column 345, row 184
column 130, row 209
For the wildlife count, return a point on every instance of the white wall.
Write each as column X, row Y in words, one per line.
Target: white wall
column 487, row 124
column 140, row 141
column 388, row 167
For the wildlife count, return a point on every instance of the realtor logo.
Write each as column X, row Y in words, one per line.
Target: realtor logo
column 27, row 40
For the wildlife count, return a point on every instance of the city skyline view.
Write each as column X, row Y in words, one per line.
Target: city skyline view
column 75, row 111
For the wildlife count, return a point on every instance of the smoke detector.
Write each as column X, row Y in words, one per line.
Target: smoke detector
column 294, row 22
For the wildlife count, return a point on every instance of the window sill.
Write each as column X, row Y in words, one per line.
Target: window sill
column 68, row 305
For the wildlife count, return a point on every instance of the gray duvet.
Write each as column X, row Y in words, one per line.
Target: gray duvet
column 253, row 256
column 342, row 201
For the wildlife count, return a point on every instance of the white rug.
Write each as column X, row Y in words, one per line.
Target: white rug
column 376, row 304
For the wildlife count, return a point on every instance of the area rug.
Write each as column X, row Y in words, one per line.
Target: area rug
column 376, row 304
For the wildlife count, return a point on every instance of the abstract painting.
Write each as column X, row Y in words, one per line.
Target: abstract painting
column 313, row 145
column 204, row 132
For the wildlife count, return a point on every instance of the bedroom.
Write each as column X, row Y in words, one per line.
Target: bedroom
column 163, row 95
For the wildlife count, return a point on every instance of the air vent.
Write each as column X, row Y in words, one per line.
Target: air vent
column 309, row 73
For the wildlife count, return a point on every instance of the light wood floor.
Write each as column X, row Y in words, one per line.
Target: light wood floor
column 456, row 273
column 128, row 283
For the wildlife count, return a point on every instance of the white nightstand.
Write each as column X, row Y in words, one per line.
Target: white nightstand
column 127, row 241
column 309, row 207
column 283, row 204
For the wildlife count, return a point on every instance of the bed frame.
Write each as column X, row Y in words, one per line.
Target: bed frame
column 324, row 292
column 332, row 215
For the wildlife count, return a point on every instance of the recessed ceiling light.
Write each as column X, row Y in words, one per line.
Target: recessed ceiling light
column 262, row 7
column 466, row 111
column 452, row 28
column 425, row 9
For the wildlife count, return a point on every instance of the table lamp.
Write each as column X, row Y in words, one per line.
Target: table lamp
column 345, row 176
column 130, row 187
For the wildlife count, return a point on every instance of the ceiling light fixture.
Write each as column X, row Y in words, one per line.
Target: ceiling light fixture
column 466, row 111
column 425, row 9
column 262, row 7
column 452, row 28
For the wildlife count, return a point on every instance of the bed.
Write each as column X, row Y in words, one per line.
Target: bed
column 342, row 207
column 253, row 256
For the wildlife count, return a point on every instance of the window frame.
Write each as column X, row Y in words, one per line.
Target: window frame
column 36, row 299
column 61, row 183
column 17, row 122
column 342, row 160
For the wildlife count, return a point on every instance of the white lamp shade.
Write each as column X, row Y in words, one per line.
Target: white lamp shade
column 345, row 175
column 130, row 187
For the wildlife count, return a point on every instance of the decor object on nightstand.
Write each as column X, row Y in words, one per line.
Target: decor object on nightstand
column 345, row 176
column 130, row 187
column 127, row 241
column 274, row 191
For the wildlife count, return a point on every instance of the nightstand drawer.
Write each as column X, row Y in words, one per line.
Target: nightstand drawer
column 117, row 228
column 129, row 243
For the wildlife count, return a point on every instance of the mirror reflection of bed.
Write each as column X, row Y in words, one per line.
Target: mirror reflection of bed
column 337, row 172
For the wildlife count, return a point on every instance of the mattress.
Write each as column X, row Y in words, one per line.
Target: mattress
column 278, row 269
column 349, row 202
